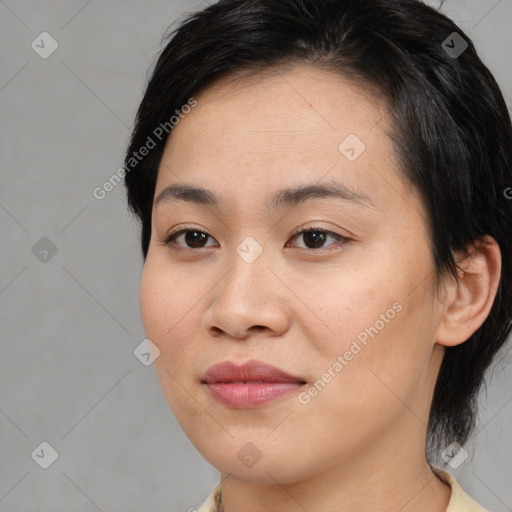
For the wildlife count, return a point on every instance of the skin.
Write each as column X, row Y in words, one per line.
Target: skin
column 358, row 445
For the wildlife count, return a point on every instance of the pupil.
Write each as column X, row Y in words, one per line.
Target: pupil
column 317, row 238
column 190, row 239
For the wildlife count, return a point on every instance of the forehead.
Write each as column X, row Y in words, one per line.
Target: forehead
column 267, row 130
column 292, row 100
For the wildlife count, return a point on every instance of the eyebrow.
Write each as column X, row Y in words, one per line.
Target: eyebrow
column 287, row 197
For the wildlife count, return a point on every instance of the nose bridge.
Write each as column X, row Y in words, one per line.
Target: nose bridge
column 246, row 297
column 248, row 266
column 249, row 250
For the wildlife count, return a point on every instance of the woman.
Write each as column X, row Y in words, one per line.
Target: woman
column 327, row 254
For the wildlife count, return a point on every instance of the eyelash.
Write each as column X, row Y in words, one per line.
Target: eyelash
column 169, row 240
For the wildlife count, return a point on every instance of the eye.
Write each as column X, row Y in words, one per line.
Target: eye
column 313, row 237
column 194, row 238
column 316, row 237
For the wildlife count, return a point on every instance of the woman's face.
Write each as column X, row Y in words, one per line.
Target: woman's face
column 352, row 317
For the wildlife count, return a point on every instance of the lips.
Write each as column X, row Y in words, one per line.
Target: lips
column 250, row 372
column 250, row 385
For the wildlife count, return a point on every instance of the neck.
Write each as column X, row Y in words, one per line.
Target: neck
column 369, row 480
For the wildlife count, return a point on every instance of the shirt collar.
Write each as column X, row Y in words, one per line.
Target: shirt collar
column 459, row 500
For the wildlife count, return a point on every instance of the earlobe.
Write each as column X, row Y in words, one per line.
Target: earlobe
column 471, row 297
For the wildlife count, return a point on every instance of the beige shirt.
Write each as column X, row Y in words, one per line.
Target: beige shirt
column 459, row 500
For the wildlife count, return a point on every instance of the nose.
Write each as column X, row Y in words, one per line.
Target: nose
column 249, row 298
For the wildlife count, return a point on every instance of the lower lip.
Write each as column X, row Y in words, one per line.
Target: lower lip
column 251, row 395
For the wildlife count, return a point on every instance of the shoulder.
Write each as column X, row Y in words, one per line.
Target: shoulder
column 211, row 503
column 459, row 500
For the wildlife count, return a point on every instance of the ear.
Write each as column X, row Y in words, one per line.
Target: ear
column 469, row 299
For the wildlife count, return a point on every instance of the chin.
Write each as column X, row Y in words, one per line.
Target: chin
column 265, row 471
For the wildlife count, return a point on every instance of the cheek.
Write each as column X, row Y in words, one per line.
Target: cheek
column 348, row 303
column 167, row 310
column 167, row 304
column 377, row 354
column 364, row 388
column 165, row 298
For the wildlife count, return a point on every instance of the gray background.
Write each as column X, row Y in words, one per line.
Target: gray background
column 70, row 324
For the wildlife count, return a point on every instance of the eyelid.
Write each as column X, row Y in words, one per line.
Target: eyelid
column 183, row 229
column 339, row 238
column 303, row 229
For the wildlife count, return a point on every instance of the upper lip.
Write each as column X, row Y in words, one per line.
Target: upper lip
column 253, row 370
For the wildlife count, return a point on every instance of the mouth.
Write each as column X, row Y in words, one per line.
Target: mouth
column 252, row 371
column 250, row 385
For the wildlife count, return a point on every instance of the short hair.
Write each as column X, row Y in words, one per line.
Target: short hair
column 450, row 127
